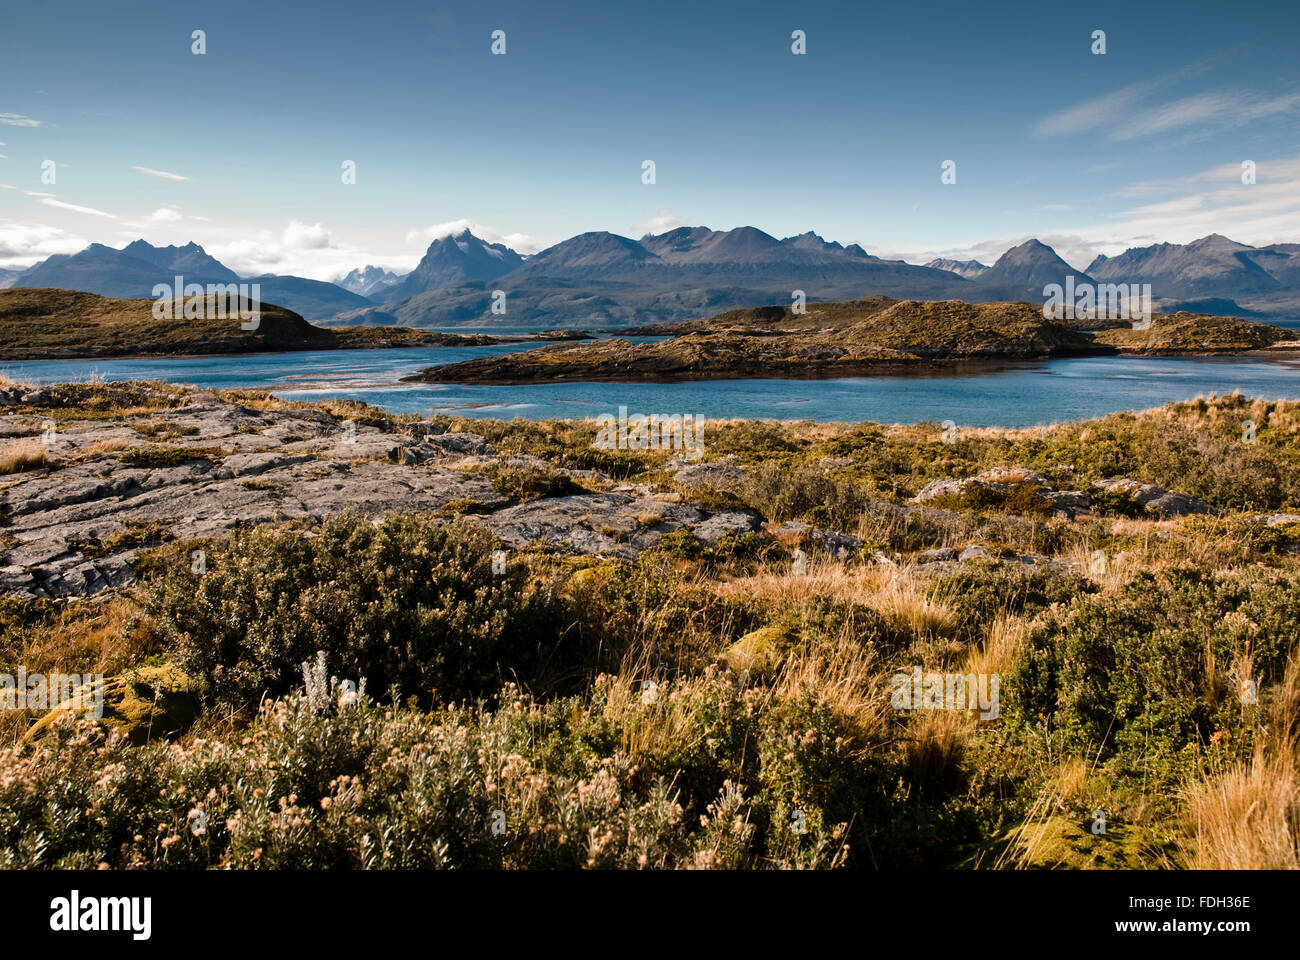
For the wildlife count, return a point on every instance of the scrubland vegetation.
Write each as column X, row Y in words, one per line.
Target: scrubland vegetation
column 704, row 706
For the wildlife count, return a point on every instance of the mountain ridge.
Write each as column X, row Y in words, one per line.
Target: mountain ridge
column 605, row 279
column 120, row 275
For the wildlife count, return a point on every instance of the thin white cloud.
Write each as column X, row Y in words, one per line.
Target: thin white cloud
column 1205, row 111
column 51, row 202
column 37, row 193
column 663, row 221
column 165, row 214
column 1091, row 114
column 18, row 120
column 160, row 173
column 1128, row 113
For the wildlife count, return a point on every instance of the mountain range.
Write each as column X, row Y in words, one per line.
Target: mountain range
column 1213, row 266
column 133, row 271
column 603, row 279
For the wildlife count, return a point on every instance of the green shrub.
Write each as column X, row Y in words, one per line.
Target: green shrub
column 682, row 543
column 647, row 610
column 410, row 602
column 1115, row 503
column 751, row 440
column 1017, row 498
column 463, row 506
column 784, row 493
column 530, row 482
column 160, row 457
column 1152, row 674
column 980, row 592
column 618, row 464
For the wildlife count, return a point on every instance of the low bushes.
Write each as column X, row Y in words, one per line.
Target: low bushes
column 1153, row 674
column 410, row 602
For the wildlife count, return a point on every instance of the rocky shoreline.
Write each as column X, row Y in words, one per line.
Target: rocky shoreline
column 181, row 464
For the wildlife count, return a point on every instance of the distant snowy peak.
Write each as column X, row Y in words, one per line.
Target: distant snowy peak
column 370, row 280
column 970, row 269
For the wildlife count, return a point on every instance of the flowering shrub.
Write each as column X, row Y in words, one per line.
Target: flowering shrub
column 565, row 784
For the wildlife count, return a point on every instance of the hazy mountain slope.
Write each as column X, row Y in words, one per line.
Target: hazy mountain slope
column 970, row 269
column 190, row 261
column 102, row 270
column 316, row 300
column 1281, row 261
column 119, row 274
column 1211, row 266
column 606, row 280
column 1028, row 267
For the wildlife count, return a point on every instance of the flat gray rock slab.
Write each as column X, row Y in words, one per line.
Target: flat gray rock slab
column 612, row 524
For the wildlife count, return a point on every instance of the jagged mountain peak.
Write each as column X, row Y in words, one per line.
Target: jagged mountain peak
column 455, row 258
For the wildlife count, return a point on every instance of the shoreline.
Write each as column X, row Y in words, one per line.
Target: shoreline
column 309, row 348
column 898, row 369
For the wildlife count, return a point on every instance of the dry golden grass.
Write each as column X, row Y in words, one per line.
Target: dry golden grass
column 88, row 637
column 936, row 742
column 1109, row 569
column 19, row 456
column 897, row 593
column 648, row 722
column 912, row 605
column 998, row 652
column 103, row 447
column 1066, row 790
column 1072, row 781
column 1247, row 817
column 846, row 678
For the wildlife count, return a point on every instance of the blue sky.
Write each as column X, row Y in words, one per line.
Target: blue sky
column 1090, row 153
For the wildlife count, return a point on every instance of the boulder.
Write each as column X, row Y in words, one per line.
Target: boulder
column 721, row 524
column 936, row 555
column 1156, row 499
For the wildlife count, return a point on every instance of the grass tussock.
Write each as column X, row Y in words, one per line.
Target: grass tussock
column 22, row 455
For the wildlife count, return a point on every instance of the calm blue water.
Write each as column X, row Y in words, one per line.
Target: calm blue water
column 1014, row 396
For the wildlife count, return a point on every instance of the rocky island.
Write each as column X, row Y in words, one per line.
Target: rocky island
column 46, row 324
column 857, row 338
